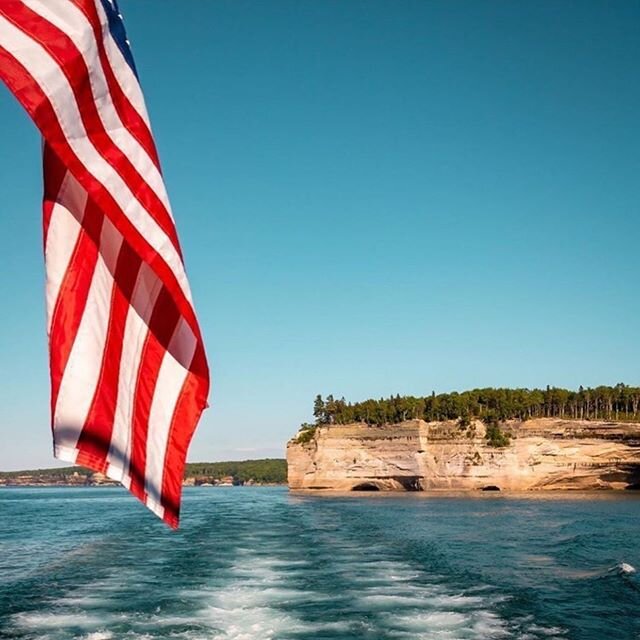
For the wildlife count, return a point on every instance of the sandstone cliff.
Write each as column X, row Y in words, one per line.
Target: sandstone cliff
column 419, row 456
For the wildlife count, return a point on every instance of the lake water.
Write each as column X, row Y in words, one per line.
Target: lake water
column 261, row 564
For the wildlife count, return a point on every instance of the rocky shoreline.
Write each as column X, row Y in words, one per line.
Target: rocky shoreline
column 542, row 454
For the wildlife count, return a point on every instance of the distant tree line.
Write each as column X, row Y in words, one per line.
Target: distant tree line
column 266, row 471
column 57, row 473
column 620, row 402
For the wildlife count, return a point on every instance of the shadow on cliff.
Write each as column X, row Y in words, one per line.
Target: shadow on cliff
column 632, row 476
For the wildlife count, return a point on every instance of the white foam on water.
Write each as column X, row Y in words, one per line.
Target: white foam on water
column 546, row 631
column 56, row 620
column 457, row 601
column 487, row 624
column 83, row 601
column 626, row 568
column 247, row 606
column 415, row 605
column 249, row 623
column 253, row 595
column 391, row 600
column 431, row 621
column 282, row 562
column 444, row 625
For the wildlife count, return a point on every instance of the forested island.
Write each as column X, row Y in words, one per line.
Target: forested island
column 251, row 472
column 490, row 439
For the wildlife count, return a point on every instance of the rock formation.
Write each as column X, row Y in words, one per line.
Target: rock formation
column 547, row 453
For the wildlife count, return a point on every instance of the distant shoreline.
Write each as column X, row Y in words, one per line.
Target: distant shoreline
column 261, row 472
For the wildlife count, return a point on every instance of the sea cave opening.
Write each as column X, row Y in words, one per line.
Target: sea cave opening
column 366, row 486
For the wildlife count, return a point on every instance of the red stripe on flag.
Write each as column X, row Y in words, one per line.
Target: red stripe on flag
column 191, row 403
column 54, row 172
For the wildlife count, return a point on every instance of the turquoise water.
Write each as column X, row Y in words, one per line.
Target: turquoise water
column 260, row 564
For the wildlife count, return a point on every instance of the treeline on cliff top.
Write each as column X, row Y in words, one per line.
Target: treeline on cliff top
column 620, row 402
column 265, row 471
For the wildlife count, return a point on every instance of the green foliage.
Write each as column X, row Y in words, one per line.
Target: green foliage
column 464, row 421
column 306, row 433
column 318, row 409
column 620, row 402
column 267, row 471
column 496, row 437
column 59, row 474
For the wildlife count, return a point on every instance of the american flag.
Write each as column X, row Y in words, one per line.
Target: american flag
column 129, row 376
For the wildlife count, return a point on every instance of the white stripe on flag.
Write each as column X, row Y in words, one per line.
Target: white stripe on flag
column 62, row 235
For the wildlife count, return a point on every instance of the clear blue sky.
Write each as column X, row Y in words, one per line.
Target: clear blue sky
column 373, row 197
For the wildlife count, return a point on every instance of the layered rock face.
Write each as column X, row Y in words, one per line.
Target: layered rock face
column 419, row 456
